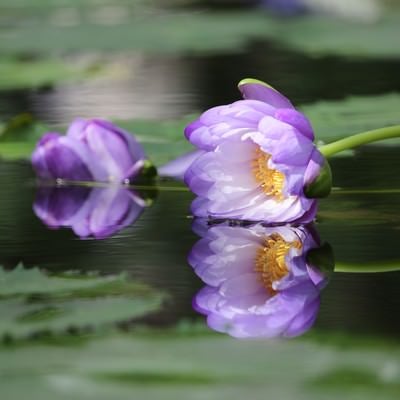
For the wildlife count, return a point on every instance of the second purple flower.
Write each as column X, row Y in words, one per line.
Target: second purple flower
column 92, row 150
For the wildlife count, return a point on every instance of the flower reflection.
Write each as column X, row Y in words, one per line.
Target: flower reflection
column 258, row 280
column 96, row 212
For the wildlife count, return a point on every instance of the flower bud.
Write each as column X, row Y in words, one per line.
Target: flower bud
column 92, row 150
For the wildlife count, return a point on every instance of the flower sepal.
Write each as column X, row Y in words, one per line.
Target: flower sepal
column 322, row 258
column 148, row 172
column 322, row 184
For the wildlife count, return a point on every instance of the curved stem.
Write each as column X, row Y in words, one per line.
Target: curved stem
column 386, row 266
column 359, row 139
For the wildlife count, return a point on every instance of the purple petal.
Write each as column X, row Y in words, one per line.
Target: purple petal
column 55, row 206
column 257, row 90
column 106, row 212
column 178, row 167
column 135, row 147
column 115, row 209
column 193, row 126
column 60, row 157
column 304, row 320
column 289, row 147
column 297, row 120
column 314, row 166
column 98, row 212
column 115, row 150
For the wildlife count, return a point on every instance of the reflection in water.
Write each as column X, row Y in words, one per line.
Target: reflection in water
column 96, row 212
column 133, row 86
column 258, row 280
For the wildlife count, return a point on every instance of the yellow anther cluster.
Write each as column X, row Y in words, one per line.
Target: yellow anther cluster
column 271, row 180
column 270, row 260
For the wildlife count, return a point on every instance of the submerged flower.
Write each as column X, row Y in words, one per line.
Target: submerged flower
column 259, row 283
column 92, row 150
column 257, row 156
column 96, row 212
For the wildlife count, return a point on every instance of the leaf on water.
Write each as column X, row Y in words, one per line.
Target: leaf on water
column 16, row 74
column 22, row 319
column 162, row 31
column 21, row 128
column 333, row 120
column 162, row 140
column 34, row 302
column 170, row 367
column 22, row 282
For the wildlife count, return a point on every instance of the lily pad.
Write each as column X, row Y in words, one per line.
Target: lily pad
column 162, row 31
column 16, row 74
column 333, row 120
column 33, row 302
column 183, row 366
column 22, row 319
column 27, row 282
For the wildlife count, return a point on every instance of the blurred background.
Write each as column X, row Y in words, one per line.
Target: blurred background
column 152, row 66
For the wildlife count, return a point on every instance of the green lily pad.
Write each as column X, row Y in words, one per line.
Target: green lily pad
column 33, row 302
column 333, row 120
column 159, row 30
column 23, row 282
column 184, row 366
column 23, row 319
column 17, row 74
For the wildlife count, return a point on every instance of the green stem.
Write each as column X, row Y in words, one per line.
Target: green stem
column 365, row 191
column 359, row 139
column 93, row 184
column 386, row 266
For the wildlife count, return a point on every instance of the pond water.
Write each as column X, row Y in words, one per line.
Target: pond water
column 150, row 241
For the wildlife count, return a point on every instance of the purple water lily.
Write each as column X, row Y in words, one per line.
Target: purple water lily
column 254, row 159
column 284, row 7
column 92, row 150
column 259, row 283
column 89, row 212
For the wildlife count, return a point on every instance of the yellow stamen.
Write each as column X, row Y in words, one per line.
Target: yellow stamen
column 271, row 180
column 270, row 260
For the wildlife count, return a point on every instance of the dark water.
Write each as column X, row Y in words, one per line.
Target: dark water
column 360, row 227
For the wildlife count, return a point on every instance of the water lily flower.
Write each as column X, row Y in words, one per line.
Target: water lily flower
column 363, row 10
column 256, row 156
column 258, row 280
column 285, row 7
column 89, row 212
column 92, row 150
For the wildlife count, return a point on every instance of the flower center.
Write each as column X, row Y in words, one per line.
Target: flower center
column 271, row 180
column 270, row 260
